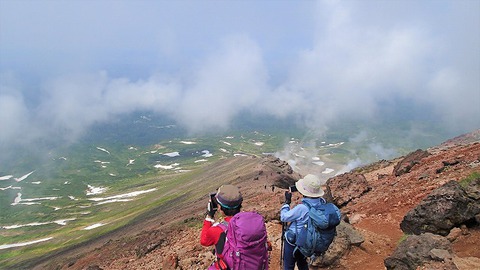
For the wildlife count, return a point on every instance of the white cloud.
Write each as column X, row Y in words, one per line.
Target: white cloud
column 313, row 62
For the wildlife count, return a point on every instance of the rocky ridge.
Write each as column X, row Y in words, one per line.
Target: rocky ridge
column 375, row 200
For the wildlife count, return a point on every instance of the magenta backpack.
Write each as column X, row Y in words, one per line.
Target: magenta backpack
column 246, row 246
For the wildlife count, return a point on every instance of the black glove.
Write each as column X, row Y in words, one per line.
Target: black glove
column 288, row 197
column 210, row 210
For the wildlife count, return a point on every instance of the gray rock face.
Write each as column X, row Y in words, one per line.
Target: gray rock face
column 409, row 161
column 446, row 207
column 421, row 249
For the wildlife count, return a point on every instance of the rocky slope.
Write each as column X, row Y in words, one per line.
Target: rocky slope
column 374, row 200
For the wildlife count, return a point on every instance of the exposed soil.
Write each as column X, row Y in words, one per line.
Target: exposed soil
column 171, row 239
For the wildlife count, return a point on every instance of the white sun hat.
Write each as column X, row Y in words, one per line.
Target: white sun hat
column 310, row 186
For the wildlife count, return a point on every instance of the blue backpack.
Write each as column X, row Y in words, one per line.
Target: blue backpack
column 316, row 236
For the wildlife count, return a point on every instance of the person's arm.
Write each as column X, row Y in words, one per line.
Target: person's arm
column 210, row 234
column 289, row 215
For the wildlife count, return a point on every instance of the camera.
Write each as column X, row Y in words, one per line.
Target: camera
column 213, row 201
column 293, row 188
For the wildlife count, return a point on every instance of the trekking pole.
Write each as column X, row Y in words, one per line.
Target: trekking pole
column 281, row 244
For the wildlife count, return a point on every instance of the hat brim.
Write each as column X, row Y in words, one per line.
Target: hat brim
column 304, row 192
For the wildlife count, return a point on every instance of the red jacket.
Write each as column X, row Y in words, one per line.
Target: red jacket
column 211, row 232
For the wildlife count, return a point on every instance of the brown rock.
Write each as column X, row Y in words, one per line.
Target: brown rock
column 405, row 165
column 344, row 188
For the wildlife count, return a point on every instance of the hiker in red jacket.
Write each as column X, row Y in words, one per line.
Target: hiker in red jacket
column 230, row 200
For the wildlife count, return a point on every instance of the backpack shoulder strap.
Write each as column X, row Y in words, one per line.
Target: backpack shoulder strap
column 307, row 204
column 221, row 241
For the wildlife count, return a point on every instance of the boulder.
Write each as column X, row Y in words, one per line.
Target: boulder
column 343, row 188
column 418, row 250
column 281, row 172
column 346, row 237
column 406, row 164
column 447, row 207
column 473, row 189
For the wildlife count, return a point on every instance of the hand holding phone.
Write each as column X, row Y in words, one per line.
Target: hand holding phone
column 293, row 188
column 288, row 197
column 213, row 201
column 212, row 206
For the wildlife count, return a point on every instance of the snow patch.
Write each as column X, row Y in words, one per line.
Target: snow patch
column 91, row 190
column 10, row 187
column 23, row 177
column 103, row 149
column 122, row 196
column 206, row 153
column 62, row 222
column 96, row 225
column 328, row 170
column 319, row 163
column 166, row 167
column 5, row 177
column 22, row 244
column 172, row 154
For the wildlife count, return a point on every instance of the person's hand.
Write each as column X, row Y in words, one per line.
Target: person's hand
column 210, row 210
column 288, row 197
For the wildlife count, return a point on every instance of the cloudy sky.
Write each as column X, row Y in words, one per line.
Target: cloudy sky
column 65, row 65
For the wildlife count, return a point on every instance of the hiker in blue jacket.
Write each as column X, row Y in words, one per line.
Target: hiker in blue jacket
column 311, row 188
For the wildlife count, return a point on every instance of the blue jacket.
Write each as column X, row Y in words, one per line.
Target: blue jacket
column 298, row 216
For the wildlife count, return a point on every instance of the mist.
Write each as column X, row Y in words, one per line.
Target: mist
column 65, row 67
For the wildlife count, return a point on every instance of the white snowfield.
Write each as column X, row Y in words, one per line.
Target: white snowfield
column 23, row 177
column 10, row 187
column 22, row 244
column 206, row 153
column 319, row 163
column 31, row 201
column 166, row 167
column 187, row 142
column 122, row 196
column 5, row 177
column 96, row 225
column 62, row 222
column 102, row 162
column 172, row 154
column 328, row 170
column 103, row 149
column 91, row 190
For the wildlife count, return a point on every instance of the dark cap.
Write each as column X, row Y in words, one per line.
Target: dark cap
column 229, row 196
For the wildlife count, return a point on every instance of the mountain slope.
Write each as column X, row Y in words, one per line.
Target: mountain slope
column 168, row 237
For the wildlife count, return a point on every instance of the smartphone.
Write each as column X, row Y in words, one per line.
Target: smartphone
column 293, row 188
column 213, row 201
